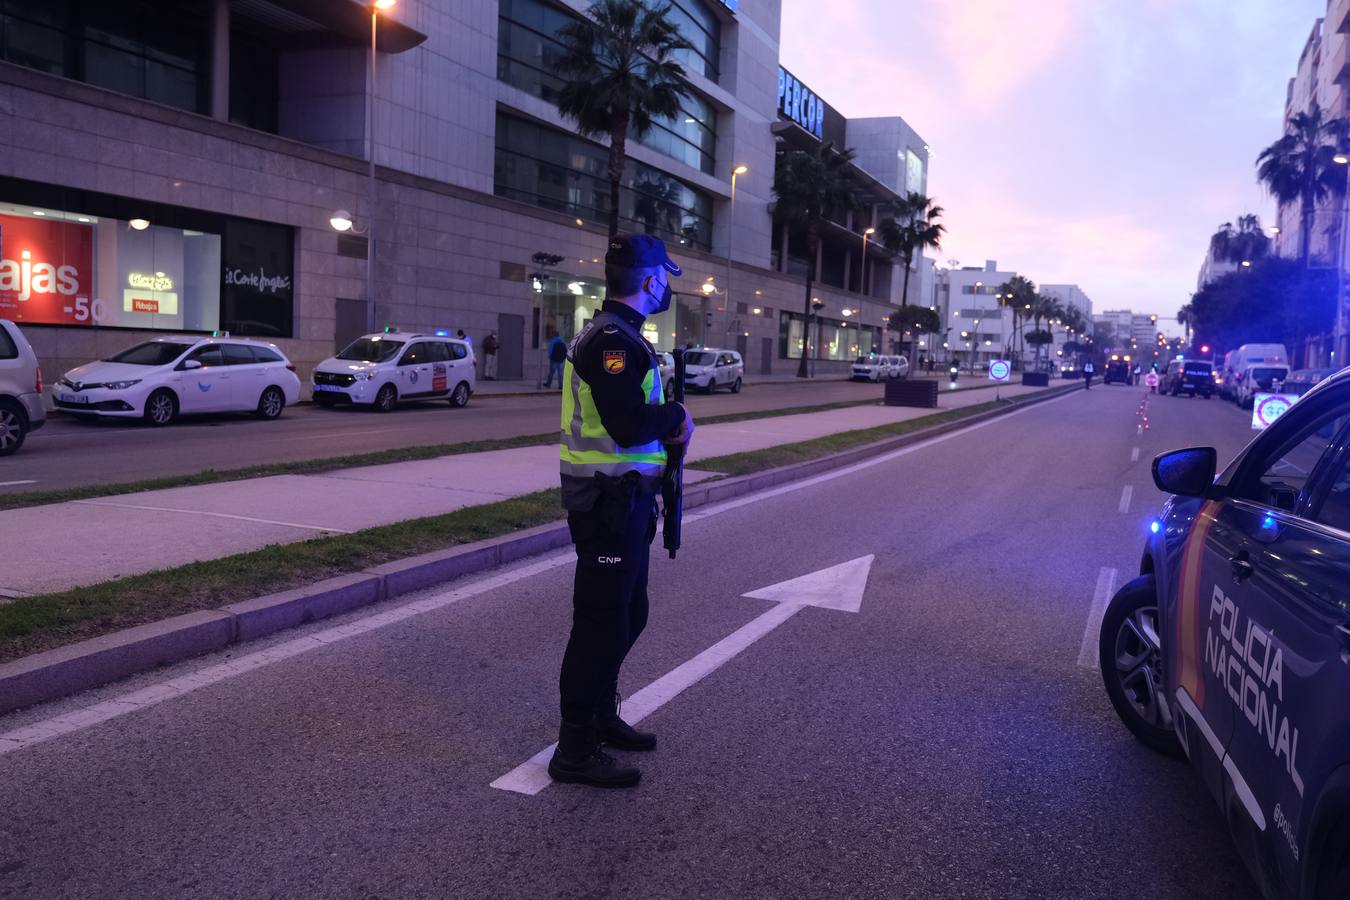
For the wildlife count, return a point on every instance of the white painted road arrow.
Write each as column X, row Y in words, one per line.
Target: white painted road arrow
column 838, row 587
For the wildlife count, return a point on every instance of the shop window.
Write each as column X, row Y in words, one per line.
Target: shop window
column 83, row 259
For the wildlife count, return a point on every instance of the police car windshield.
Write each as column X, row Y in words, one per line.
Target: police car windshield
column 865, row 360
column 370, row 349
column 699, row 358
column 151, row 353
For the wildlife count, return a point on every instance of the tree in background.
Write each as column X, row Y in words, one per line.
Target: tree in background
column 1299, row 167
column 1047, row 308
column 1186, row 318
column 914, row 229
column 915, row 320
column 1017, row 294
column 809, row 186
column 1247, row 243
column 618, row 76
column 1276, row 299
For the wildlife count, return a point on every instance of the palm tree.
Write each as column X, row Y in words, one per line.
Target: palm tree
column 1300, row 167
column 619, row 75
column 914, row 229
column 1246, row 243
column 1047, row 307
column 810, row 186
column 1017, row 294
column 1186, row 318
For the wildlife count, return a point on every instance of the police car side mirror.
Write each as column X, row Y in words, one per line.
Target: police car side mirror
column 188, row 365
column 1188, row 473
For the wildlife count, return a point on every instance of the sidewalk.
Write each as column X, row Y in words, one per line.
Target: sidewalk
column 56, row 547
column 523, row 386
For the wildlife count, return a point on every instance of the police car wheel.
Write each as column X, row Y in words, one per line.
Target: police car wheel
column 736, row 386
column 1330, row 865
column 386, row 399
column 1131, row 659
column 459, row 397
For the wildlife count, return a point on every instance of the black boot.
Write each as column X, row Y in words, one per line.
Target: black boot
column 616, row 733
column 579, row 760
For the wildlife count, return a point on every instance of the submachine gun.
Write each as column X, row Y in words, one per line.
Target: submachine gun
column 672, row 482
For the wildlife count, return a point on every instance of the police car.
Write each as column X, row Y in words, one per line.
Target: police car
column 381, row 370
column 1232, row 647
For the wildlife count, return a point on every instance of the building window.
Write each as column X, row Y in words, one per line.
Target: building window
column 700, row 27
column 559, row 171
column 528, row 52
column 831, row 339
column 81, row 259
column 151, row 50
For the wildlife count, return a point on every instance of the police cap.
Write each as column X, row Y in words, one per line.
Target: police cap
column 639, row 251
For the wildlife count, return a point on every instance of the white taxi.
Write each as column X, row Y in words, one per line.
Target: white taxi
column 381, row 370
column 874, row 367
column 709, row 369
column 159, row 380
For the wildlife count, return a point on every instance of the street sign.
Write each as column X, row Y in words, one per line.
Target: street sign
column 1000, row 370
column 1266, row 408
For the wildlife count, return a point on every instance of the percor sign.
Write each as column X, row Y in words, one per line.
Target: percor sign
column 800, row 104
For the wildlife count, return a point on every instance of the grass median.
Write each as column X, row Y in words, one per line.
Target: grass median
column 32, row 624
column 376, row 458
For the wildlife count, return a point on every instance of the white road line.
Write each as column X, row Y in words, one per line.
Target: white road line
column 79, row 719
column 1088, row 652
column 1134, row 455
column 17, row 483
column 1126, row 494
column 531, row 776
column 68, row 723
column 215, row 515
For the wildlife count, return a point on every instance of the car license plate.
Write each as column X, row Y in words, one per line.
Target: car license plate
column 77, row 399
column 327, row 387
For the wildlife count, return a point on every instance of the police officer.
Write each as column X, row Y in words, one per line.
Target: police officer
column 615, row 423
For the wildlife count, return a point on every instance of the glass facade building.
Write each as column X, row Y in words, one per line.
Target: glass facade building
column 528, row 52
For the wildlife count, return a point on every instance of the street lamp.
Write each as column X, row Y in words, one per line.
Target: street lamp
column 739, row 170
column 862, row 272
column 376, row 7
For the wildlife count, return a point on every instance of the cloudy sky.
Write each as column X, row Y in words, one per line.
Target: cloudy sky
column 1097, row 142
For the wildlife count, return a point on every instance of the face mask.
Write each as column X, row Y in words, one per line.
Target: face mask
column 664, row 303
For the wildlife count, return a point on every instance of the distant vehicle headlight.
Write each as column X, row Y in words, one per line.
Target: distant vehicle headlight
column 121, row 385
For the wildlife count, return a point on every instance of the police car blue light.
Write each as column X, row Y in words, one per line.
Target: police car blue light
column 1232, row 647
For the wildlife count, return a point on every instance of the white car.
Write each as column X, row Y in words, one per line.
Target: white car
column 21, row 409
column 874, row 368
column 161, row 379
column 666, row 368
column 710, row 369
column 1258, row 379
column 379, row 370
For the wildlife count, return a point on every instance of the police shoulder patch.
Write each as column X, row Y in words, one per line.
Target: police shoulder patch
column 615, row 361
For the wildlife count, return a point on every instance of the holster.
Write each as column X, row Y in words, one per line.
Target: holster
column 618, row 497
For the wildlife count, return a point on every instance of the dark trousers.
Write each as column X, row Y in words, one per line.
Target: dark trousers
column 554, row 368
column 609, row 599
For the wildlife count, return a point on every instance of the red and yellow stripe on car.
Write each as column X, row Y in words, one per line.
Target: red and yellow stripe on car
column 1191, row 604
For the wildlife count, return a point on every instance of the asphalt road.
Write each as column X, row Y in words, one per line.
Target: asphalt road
column 944, row 741
column 72, row 452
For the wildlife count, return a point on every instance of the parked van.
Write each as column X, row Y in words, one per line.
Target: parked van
column 1240, row 361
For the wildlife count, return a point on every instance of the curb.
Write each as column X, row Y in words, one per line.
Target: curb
column 53, row 674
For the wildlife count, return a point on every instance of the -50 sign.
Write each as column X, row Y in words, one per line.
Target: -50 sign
column 46, row 270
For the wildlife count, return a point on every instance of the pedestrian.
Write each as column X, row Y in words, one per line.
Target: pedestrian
column 1088, row 370
column 490, row 356
column 557, row 355
column 465, row 338
column 614, row 431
